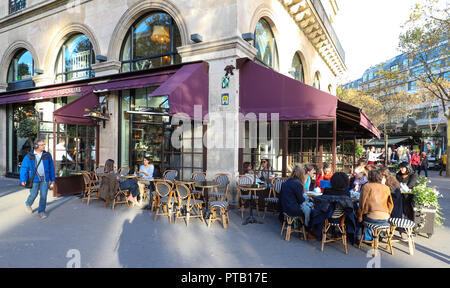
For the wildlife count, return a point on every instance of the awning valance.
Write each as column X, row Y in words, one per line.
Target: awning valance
column 356, row 118
column 73, row 112
column 263, row 90
column 391, row 141
column 187, row 88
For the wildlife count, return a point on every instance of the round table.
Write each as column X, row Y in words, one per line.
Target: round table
column 205, row 186
column 252, row 188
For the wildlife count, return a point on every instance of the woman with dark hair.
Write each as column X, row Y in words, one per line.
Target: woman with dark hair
column 129, row 184
column 265, row 170
column 310, row 170
column 407, row 177
column 394, row 186
column 375, row 202
column 248, row 168
column 339, row 185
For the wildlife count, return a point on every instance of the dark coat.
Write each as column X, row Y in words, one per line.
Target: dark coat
column 397, row 212
column 410, row 181
column 324, row 207
column 291, row 197
column 108, row 187
column 407, row 200
column 424, row 161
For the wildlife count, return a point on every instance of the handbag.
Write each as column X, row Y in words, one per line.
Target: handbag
column 29, row 183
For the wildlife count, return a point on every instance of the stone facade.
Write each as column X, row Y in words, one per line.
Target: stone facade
column 43, row 26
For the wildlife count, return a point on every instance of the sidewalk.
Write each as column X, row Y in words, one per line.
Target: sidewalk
column 129, row 237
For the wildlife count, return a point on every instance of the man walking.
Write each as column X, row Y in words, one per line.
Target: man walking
column 45, row 175
column 444, row 164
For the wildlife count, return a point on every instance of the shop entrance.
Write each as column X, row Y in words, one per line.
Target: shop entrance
column 147, row 138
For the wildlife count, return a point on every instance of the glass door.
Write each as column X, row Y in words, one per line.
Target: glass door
column 147, row 140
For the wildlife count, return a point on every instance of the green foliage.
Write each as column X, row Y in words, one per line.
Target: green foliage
column 27, row 129
column 428, row 197
column 359, row 150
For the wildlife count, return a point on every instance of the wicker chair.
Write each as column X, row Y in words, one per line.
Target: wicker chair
column 337, row 220
column 165, row 199
column 121, row 197
column 90, row 188
column 408, row 226
column 273, row 195
column 289, row 222
column 244, row 198
column 170, row 175
column 124, row 171
column 376, row 230
column 198, row 176
column 221, row 192
column 186, row 204
column 221, row 208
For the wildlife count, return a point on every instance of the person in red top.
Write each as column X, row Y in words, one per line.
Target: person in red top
column 415, row 161
column 325, row 174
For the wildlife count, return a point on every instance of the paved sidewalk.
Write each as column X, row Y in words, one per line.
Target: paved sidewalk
column 129, row 237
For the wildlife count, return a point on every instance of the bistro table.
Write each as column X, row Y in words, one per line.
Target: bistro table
column 205, row 186
column 252, row 188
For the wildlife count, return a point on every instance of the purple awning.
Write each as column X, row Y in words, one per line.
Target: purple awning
column 354, row 115
column 73, row 112
column 263, row 90
column 187, row 88
column 45, row 93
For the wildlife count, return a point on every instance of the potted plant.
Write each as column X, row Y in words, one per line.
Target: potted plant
column 427, row 211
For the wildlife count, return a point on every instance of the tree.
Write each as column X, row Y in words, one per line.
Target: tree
column 425, row 41
column 362, row 100
column 394, row 103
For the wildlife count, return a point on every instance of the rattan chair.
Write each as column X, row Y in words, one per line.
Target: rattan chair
column 198, row 176
column 337, row 221
column 121, row 197
column 124, row 171
column 165, row 199
column 186, row 204
column 407, row 225
column 376, row 231
column 245, row 198
column 170, row 175
column 219, row 212
column 274, row 192
column 289, row 224
column 221, row 193
column 90, row 188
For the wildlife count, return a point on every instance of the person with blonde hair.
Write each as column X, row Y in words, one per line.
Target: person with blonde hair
column 292, row 192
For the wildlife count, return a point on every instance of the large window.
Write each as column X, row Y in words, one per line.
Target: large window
column 151, row 42
column 16, row 5
column 297, row 68
column 266, row 45
column 146, row 131
column 75, row 59
column 316, row 83
column 21, row 67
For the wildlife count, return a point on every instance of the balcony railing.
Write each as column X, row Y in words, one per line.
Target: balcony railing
column 16, row 5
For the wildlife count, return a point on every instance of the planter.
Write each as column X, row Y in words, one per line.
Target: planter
column 68, row 185
column 425, row 220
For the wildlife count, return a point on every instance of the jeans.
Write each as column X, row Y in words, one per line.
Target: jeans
column 43, row 188
column 424, row 169
column 368, row 235
column 130, row 185
column 443, row 169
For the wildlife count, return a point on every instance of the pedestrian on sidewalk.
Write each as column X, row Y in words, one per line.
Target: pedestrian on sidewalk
column 44, row 177
column 415, row 161
column 423, row 164
column 444, row 164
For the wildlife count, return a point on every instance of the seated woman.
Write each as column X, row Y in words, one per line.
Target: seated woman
column 339, row 185
column 129, row 184
column 325, row 174
column 375, row 202
column 146, row 172
column 394, row 186
column 310, row 171
column 292, row 196
column 407, row 177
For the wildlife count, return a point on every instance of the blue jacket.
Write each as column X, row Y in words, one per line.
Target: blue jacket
column 29, row 163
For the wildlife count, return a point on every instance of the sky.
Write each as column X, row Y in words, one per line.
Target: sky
column 369, row 32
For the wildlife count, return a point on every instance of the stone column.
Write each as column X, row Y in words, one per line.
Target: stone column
column 223, row 126
column 3, row 138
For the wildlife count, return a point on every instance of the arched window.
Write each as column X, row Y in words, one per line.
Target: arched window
column 297, row 68
column 266, row 45
column 151, row 42
column 75, row 59
column 316, row 83
column 21, row 67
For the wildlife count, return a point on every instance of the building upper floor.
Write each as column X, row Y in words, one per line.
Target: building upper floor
column 51, row 41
